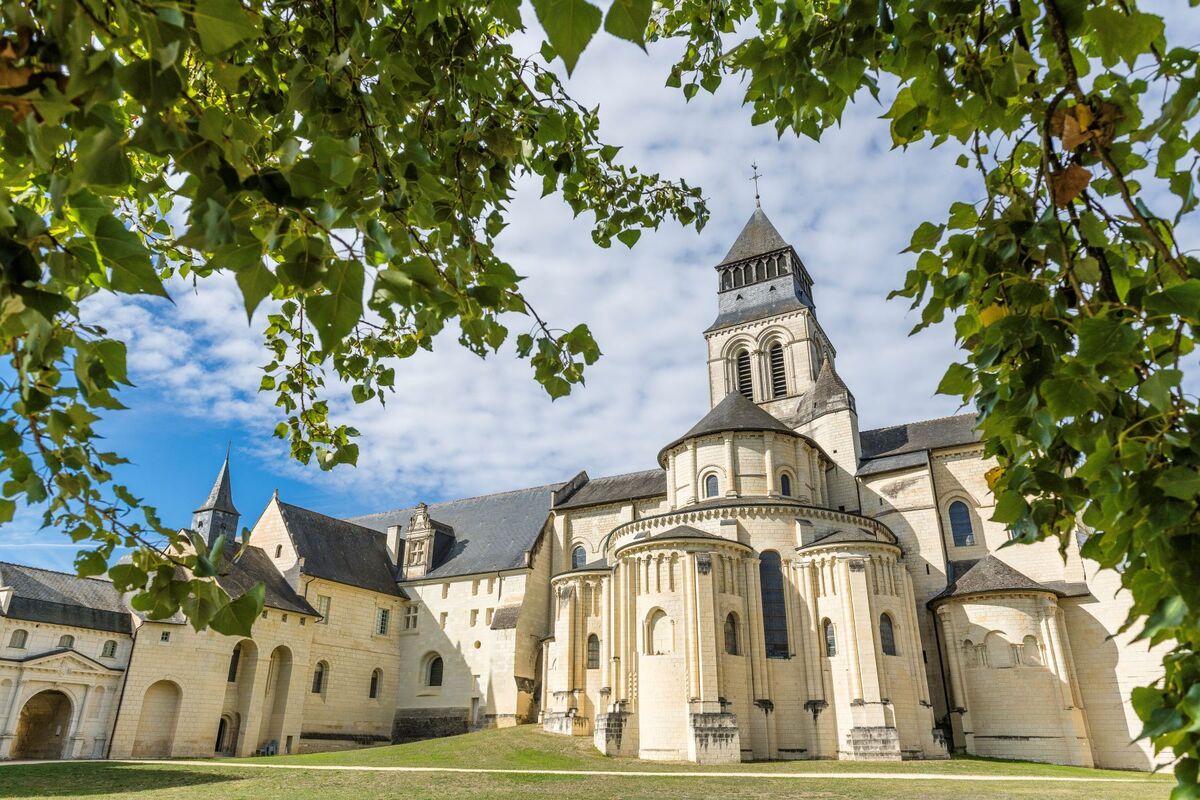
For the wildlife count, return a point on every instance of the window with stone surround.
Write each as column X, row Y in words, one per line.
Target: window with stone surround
column 323, row 609
column 234, row 658
column 660, row 633
column 887, row 635
column 960, row 524
column 774, row 610
column 785, row 484
column 416, row 552
column 593, row 652
column 410, row 618
column 67, row 640
column 778, row 375
column 731, row 635
column 578, row 557
column 382, row 618
column 433, row 670
column 712, row 486
column 742, row 374
column 109, row 650
column 18, row 639
column 318, row 681
column 830, row 638
column 376, row 680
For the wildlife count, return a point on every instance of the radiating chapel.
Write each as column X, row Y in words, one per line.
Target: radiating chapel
column 779, row 585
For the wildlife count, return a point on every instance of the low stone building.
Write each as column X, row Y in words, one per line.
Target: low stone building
column 781, row 585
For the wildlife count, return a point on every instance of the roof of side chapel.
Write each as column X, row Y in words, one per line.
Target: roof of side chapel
column 618, row 488
column 734, row 413
column 990, row 574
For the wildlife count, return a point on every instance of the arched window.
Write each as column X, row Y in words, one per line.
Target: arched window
column 830, row 639
column 778, row 376
column 233, row 663
column 278, row 550
column 712, row 486
column 109, row 650
column 318, row 684
column 742, row 376
column 66, row 640
column 785, row 485
column 433, row 673
column 887, row 635
column 1031, row 653
column 18, row 639
column 593, row 652
column 998, row 650
column 770, row 578
column 660, row 637
column 731, row 635
column 960, row 524
column 376, row 679
column 578, row 557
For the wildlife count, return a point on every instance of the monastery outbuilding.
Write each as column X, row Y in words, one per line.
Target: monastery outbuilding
column 781, row 585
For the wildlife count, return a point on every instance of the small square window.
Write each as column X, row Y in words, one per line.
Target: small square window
column 474, row 616
column 442, row 620
column 488, row 617
column 410, row 618
column 165, row 636
column 283, row 618
column 302, row 621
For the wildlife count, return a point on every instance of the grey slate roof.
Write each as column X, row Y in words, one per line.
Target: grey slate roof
column 990, row 574
column 42, row 595
column 505, row 618
column 618, row 488
column 678, row 532
column 340, row 551
column 221, row 496
column 255, row 566
column 858, row 535
column 828, row 394
column 758, row 236
column 58, row 651
column 491, row 533
column 913, row 437
column 734, row 413
column 759, row 300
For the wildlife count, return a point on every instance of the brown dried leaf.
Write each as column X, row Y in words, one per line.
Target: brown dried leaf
column 11, row 77
column 1107, row 116
column 1065, row 185
column 20, row 107
column 1073, row 135
column 1056, row 121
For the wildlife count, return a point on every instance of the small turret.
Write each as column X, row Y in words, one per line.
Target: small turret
column 218, row 516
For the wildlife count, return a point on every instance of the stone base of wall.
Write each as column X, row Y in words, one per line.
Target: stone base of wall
column 321, row 742
column 497, row 721
column 567, row 723
column 713, row 737
column 415, row 724
column 614, row 734
column 876, row 743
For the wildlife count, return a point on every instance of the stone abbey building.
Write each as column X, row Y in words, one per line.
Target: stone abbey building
column 780, row 585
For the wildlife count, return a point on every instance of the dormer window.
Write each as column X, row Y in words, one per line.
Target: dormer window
column 416, row 552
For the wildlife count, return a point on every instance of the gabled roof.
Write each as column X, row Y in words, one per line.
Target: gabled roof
column 255, row 566
column 734, row 413
column 58, row 598
column 990, row 575
column 618, row 488
column 882, row 448
column 758, row 236
column 340, row 551
column 491, row 533
column 221, row 496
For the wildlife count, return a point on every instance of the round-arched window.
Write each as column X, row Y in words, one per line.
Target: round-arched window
column 830, row 639
column 66, row 641
column 18, row 639
column 742, row 374
column 433, row 672
column 774, row 609
column 376, row 680
column 778, row 375
column 578, row 557
column 960, row 524
column 318, row 683
column 731, row 635
column 887, row 635
column 785, row 485
column 593, row 652
column 712, row 486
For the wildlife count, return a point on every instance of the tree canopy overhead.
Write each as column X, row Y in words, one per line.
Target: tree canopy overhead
column 352, row 161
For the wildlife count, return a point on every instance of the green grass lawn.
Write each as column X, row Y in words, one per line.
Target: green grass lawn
column 530, row 748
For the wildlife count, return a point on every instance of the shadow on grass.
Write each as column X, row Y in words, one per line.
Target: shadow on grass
column 83, row 780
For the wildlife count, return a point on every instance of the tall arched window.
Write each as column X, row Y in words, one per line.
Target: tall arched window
column 578, row 557
column 785, row 485
column 778, row 376
column 66, row 640
column 660, row 636
column 960, row 524
column 744, row 383
column 830, row 639
column 18, row 639
column 318, row 684
column 770, row 578
column 233, row 663
column 712, row 486
column 887, row 635
column 433, row 673
column 376, row 679
column 593, row 652
column 731, row 634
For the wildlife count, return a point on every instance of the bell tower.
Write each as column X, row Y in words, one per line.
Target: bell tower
column 217, row 516
column 767, row 344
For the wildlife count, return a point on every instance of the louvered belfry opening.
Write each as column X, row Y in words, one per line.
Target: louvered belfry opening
column 743, row 375
column 778, row 376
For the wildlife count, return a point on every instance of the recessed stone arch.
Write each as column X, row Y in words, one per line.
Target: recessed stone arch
column 43, row 726
column 157, row 719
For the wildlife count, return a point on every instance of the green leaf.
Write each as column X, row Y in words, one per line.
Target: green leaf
column 237, row 618
column 1104, row 337
column 1182, row 299
column 627, row 19
column 1067, row 397
column 1156, row 390
column 335, row 314
column 959, row 381
column 1180, row 482
column 128, row 259
column 1119, row 36
column 256, row 282
column 569, row 25
column 222, row 24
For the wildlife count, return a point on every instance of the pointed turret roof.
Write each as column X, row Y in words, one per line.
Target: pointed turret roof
column 990, row 574
column 758, row 236
column 829, row 393
column 221, row 496
column 734, row 413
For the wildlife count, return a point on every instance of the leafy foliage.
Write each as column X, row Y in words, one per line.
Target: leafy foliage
column 350, row 161
column 1072, row 298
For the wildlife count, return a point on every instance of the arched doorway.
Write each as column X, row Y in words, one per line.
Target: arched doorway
column 222, row 733
column 42, row 728
column 156, row 723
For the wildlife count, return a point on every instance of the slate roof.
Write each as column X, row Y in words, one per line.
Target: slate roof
column 42, row 595
column 618, row 488
column 829, row 393
column 990, row 574
column 678, row 532
column 912, row 438
column 255, row 566
column 758, row 236
column 339, row 550
column 491, row 533
column 857, row 535
column 734, row 413
column 221, row 496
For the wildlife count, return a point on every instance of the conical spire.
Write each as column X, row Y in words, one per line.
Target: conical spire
column 221, row 496
column 758, row 236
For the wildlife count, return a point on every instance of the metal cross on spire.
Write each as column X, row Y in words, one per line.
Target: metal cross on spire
column 755, row 177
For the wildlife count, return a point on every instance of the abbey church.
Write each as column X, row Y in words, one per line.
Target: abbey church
column 779, row 585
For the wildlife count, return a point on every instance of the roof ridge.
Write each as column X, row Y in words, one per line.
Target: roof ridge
column 96, row 578
column 329, row 517
column 557, row 485
column 920, row 421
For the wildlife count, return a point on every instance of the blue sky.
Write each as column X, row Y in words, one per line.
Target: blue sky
column 459, row 426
